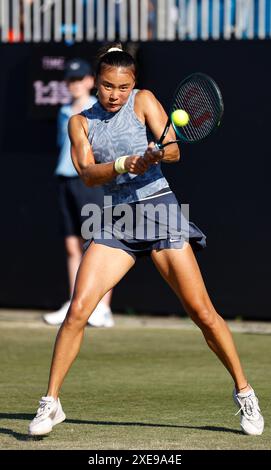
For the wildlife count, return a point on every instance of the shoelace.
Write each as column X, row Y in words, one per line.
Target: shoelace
column 249, row 406
column 44, row 407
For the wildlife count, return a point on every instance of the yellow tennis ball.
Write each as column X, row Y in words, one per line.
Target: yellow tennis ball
column 180, row 117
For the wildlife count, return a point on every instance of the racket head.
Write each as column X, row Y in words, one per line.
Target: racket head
column 199, row 95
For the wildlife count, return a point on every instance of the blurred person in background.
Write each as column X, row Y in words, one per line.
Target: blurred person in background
column 72, row 192
column 152, row 7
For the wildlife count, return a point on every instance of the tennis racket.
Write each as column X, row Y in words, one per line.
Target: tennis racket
column 200, row 97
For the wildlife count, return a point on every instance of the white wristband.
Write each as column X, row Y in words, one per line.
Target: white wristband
column 119, row 165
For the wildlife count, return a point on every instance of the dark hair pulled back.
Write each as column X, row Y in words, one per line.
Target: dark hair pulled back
column 114, row 58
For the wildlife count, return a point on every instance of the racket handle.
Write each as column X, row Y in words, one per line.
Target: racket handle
column 158, row 147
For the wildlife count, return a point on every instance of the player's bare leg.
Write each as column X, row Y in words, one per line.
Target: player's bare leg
column 101, row 269
column 180, row 269
column 108, row 296
column 74, row 250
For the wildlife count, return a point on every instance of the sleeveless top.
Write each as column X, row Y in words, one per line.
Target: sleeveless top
column 113, row 135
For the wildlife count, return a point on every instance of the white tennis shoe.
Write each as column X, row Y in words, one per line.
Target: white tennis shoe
column 108, row 318
column 48, row 415
column 56, row 318
column 252, row 421
column 101, row 316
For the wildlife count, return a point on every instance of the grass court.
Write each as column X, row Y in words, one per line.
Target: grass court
column 131, row 388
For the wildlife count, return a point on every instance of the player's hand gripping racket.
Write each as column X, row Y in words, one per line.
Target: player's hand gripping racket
column 199, row 96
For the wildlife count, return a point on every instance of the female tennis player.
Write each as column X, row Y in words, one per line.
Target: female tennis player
column 112, row 145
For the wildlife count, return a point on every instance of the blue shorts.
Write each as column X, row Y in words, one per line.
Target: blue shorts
column 154, row 223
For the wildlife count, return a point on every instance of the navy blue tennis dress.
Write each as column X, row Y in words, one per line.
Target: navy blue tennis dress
column 141, row 213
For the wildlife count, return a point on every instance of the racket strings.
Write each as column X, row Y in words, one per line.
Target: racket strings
column 199, row 105
column 201, row 99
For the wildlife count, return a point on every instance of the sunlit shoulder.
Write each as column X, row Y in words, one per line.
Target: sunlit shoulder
column 146, row 96
column 77, row 123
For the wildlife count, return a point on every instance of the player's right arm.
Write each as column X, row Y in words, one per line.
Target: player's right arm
column 91, row 173
column 83, row 159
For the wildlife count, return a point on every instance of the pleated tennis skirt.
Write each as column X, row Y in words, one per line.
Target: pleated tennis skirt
column 154, row 223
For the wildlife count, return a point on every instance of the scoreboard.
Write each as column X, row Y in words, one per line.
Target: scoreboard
column 47, row 87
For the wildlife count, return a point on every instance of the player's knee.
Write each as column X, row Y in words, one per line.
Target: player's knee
column 77, row 315
column 204, row 316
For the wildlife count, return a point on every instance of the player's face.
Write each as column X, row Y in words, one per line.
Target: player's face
column 114, row 86
column 79, row 87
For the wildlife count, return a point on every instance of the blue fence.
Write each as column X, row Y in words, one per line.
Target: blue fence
column 134, row 20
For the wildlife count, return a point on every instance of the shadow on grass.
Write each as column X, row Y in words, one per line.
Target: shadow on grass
column 19, row 435
column 28, row 417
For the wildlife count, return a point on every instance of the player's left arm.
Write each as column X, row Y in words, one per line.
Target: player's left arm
column 152, row 113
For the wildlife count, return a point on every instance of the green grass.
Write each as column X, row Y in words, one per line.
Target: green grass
column 131, row 389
